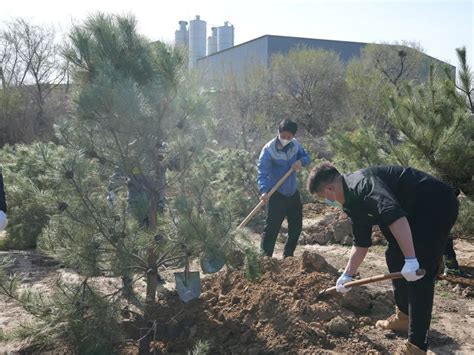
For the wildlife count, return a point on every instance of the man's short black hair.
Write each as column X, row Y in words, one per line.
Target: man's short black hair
column 321, row 175
column 288, row 126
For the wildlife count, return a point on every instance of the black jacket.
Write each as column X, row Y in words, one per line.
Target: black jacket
column 382, row 194
column 3, row 202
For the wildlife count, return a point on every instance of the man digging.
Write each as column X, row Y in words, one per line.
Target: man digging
column 277, row 157
column 415, row 213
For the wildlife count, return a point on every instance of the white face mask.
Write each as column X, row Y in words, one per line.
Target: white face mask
column 284, row 142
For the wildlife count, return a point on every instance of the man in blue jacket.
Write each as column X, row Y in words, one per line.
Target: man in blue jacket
column 277, row 157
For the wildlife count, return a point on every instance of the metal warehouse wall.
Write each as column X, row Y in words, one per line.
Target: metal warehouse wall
column 346, row 50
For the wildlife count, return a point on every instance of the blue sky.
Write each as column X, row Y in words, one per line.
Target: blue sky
column 439, row 26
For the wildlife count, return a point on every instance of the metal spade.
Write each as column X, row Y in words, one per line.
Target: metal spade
column 188, row 283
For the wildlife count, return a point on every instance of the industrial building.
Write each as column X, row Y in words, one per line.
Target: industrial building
column 260, row 51
column 218, row 56
column 194, row 39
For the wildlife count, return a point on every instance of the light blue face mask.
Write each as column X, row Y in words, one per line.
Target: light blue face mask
column 332, row 203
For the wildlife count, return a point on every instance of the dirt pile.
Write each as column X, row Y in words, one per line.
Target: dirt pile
column 280, row 313
column 323, row 224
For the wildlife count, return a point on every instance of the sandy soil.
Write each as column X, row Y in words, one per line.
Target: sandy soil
column 281, row 313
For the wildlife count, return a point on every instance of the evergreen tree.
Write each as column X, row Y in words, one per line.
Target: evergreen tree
column 137, row 128
column 438, row 127
column 434, row 129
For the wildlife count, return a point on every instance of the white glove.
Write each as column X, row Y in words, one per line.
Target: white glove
column 410, row 268
column 3, row 220
column 344, row 278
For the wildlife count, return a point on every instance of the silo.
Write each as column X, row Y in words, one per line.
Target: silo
column 225, row 36
column 181, row 35
column 212, row 41
column 197, row 40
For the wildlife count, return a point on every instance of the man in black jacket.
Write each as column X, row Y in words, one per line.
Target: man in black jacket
column 3, row 204
column 415, row 212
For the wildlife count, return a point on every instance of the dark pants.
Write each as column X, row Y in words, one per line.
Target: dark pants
column 449, row 252
column 279, row 207
column 435, row 215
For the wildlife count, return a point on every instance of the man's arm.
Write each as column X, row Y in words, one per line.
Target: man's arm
column 357, row 257
column 362, row 240
column 402, row 233
column 382, row 203
column 263, row 171
column 303, row 156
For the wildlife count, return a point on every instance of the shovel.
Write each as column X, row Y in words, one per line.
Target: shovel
column 188, row 283
column 369, row 280
column 211, row 263
column 261, row 203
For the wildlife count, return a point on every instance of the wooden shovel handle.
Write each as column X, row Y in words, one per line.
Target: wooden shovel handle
column 261, row 203
column 369, row 280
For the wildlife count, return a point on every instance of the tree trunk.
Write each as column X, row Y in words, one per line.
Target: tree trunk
column 151, row 283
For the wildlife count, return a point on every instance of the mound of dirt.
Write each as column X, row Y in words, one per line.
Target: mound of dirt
column 279, row 313
column 323, row 224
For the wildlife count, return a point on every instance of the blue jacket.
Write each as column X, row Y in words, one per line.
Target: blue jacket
column 274, row 163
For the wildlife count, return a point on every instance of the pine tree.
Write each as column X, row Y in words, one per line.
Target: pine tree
column 438, row 126
column 433, row 123
column 129, row 103
column 137, row 114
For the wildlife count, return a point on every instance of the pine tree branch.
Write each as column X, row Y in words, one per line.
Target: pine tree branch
column 86, row 202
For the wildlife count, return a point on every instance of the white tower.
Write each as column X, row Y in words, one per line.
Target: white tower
column 212, row 41
column 225, row 36
column 197, row 41
column 181, row 36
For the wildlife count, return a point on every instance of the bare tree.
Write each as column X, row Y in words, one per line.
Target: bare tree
column 310, row 88
column 240, row 107
column 31, row 69
column 398, row 62
column 380, row 72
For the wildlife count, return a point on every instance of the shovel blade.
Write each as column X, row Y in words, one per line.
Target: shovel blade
column 190, row 288
column 211, row 263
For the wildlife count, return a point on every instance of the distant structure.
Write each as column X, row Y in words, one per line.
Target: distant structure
column 181, row 36
column 225, row 37
column 216, row 55
column 197, row 40
column 259, row 51
column 194, row 39
column 212, row 41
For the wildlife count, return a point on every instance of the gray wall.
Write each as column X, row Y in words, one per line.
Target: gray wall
column 235, row 59
column 346, row 50
column 260, row 51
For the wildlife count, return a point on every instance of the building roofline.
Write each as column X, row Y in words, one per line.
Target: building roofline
column 319, row 39
column 280, row 36
column 241, row 44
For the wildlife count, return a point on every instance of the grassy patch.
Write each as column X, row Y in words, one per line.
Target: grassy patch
column 442, row 288
column 378, row 249
column 3, row 242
